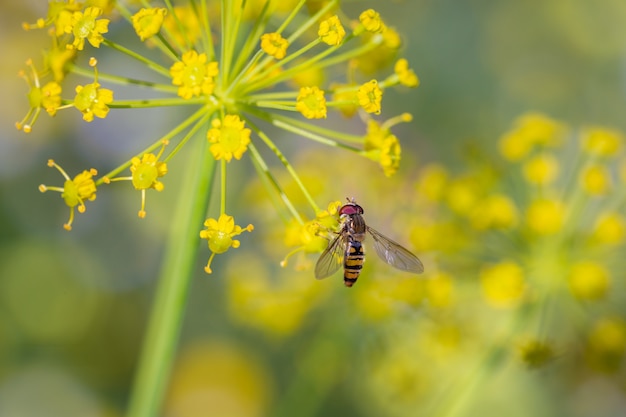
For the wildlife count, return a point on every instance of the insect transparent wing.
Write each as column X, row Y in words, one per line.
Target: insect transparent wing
column 331, row 259
column 394, row 254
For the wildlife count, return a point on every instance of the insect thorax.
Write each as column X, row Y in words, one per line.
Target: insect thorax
column 354, row 227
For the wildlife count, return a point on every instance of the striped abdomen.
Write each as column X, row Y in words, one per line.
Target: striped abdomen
column 353, row 262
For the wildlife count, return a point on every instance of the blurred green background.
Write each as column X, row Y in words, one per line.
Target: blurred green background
column 259, row 340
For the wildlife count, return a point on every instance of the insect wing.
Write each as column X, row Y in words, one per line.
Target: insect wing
column 331, row 259
column 394, row 254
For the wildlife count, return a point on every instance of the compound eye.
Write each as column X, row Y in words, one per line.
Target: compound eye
column 350, row 209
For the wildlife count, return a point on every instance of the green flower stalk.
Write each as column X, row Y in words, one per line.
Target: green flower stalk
column 239, row 67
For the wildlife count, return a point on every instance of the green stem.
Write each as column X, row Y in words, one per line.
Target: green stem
column 165, row 323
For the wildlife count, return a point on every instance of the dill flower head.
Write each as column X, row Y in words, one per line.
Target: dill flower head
column 237, row 72
column 541, row 224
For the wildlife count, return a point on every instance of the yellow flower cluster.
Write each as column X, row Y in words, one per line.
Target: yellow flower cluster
column 237, row 67
column 534, row 226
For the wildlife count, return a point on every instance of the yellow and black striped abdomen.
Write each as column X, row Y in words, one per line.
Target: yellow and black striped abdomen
column 353, row 262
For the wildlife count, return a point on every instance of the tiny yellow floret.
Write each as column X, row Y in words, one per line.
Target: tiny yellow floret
column 405, row 74
column 194, row 75
column 74, row 191
column 371, row 21
column 228, row 138
column 595, row 179
column 382, row 146
column 92, row 101
column 145, row 174
column 331, row 32
column 545, row 216
column 345, row 99
column 148, row 22
column 87, row 26
column 541, row 169
column 370, row 96
column 432, row 182
column 311, row 103
column 602, row 142
column 589, row 280
column 496, row 211
column 274, row 45
column 47, row 97
column 607, row 343
column 219, row 235
column 609, row 229
column 503, row 284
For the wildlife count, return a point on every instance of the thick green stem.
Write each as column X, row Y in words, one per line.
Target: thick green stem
column 161, row 339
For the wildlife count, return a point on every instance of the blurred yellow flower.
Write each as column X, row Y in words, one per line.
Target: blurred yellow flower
column 440, row 290
column 607, row 344
column 609, row 229
column 219, row 379
column 503, row 284
column 276, row 302
column 462, row 194
column 432, row 181
column 595, row 179
column 530, row 130
column 496, row 211
column 541, row 169
column 589, row 280
column 545, row 216
column 601, row 141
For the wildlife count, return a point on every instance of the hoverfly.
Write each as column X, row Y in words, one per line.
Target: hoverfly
column 347, row 249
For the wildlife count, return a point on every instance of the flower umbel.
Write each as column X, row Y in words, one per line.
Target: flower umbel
column 219, row 235
column 233, row 71
column 237, row 72
column 537, row 230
